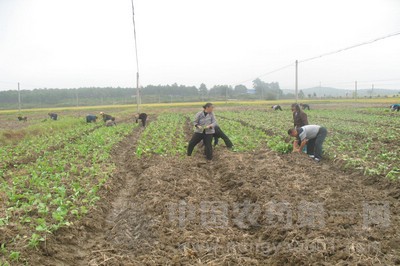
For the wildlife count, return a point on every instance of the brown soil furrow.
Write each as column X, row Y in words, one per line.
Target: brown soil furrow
column 240, row 209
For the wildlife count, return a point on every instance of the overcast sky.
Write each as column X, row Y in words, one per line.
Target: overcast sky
column 81, row 43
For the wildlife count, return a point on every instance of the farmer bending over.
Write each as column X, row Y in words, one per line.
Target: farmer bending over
column 276, row 107
column 220, row 134
column 91, row 118
column 395, row 107
column 142, row 117
column 313, row 136
column 107, row 117
column 305, row 106
column 53, row 116
column 22, row 118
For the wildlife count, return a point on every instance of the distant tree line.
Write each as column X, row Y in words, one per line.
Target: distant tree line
column 150, row 94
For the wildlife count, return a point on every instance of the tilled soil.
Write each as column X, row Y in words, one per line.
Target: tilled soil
column 256, row 208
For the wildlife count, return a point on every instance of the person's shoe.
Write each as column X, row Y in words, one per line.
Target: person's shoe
column 311, row 156
column 317, row 160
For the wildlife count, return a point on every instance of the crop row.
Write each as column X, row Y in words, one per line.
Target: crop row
column 56, row 189
column 164, row 136
column 361, row 145
column 56, row 133
column 243, row 137
column 272, row 123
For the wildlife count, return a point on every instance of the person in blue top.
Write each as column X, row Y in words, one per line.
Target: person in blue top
column 395, row 107
column 204, row 124
column 311, row 135
column 91, row 118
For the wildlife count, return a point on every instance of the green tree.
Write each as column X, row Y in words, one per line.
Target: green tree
column 301, row 94
column 270, row 91
column 240, row 89
column 203, row 91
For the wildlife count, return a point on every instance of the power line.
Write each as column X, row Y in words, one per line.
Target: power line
column 326, row 54
column 268, row 73
column 350, row 47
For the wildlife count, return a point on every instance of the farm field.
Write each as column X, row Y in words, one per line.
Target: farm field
column 73, row 193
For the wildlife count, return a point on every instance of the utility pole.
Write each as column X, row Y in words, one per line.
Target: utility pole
column 77, row 98
column 137, row 62
column 355, row 90
column 371, row 91
column 226, row 94
column 19, row 100
column 296, row 82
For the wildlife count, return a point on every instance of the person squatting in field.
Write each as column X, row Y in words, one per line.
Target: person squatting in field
column 312, row 135
column 204, row 124
column 107, row 117
column 395, row 107
column 299, row 117
column 142, row 117
column 22, row 118
column 91, row 118
column 53, row 116
column 276, row 107
column 305, row 106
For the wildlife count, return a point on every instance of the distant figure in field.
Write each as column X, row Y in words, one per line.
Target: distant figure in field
column 299, row 117
column 395, row 107
column 53, row 116
column 142, row 117
column 91, row 118
column 276, row 107
column 311, row 135
column 22, row 118
column 107, row 117
column 305, row 106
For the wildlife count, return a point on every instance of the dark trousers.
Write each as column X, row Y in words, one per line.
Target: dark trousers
column 143, row 122
column 220, row 134
column 314, row 146
column 196, row 138
column 278, row 108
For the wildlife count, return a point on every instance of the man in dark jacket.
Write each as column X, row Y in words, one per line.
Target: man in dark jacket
column 220, row 134
column 299, row 117
column 142, row 117
column 53, row 116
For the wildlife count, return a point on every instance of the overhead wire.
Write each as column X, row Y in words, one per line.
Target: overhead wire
column 350, row 47
column 326, row 54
